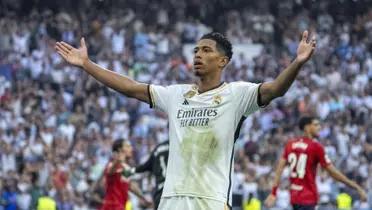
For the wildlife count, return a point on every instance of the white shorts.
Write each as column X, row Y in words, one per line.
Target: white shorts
column 190, row 203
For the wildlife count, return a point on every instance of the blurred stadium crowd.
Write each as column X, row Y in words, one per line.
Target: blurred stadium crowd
column 57, row 124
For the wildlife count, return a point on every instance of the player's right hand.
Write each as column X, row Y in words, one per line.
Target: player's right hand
column 72, row 55
column 270, row 201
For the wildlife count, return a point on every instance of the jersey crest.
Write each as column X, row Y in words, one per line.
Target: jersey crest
column 217, row 99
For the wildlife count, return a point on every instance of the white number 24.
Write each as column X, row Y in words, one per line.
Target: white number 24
column 297, row 165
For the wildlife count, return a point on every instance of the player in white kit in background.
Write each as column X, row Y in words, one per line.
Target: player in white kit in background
column 204, row 118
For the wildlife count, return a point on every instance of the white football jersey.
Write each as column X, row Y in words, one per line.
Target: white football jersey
column 202, row 132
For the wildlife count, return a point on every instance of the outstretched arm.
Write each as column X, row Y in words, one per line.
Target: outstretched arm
column 270, row 90
column 337, row 175
column 146, row 166
column 270, row 200
column 120, row 83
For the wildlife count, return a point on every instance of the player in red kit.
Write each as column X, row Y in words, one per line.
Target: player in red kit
column 117, row 184
column 304, row 154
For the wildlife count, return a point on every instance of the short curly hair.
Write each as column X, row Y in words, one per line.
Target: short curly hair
column 222, row 43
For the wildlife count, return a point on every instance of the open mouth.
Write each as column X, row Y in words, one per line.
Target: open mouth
column 197, row 64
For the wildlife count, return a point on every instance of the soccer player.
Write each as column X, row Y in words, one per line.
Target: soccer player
column 304, row 154
column 157, row 165
column 204, row 118
column 116, row 184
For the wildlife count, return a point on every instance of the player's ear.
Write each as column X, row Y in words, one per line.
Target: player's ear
column 224, row 60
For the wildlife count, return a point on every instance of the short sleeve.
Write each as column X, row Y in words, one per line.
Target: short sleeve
column 322, row 156
column 246, row 95
column 159, row 97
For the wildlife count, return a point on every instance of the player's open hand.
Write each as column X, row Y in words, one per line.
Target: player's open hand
column 306, row 47
column 270, row 201
column 72, row 55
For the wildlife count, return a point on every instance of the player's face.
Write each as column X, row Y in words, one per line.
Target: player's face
column 127, row 150
column 315, row 128
column 207, row 58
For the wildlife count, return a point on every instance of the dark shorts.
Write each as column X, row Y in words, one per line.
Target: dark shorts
column 303, row 207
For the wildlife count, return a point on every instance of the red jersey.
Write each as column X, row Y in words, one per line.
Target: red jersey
column 117, row 187
column 303, row 156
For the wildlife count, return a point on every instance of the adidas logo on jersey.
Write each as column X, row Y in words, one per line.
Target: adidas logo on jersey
column 185, row 102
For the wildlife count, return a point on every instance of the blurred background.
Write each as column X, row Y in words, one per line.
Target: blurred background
column 57, row 124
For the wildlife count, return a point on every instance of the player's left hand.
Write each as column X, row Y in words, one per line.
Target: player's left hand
column 270, row 201
column 305, row 48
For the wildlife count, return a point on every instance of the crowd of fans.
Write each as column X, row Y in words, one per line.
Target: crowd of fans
column 57, row 124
